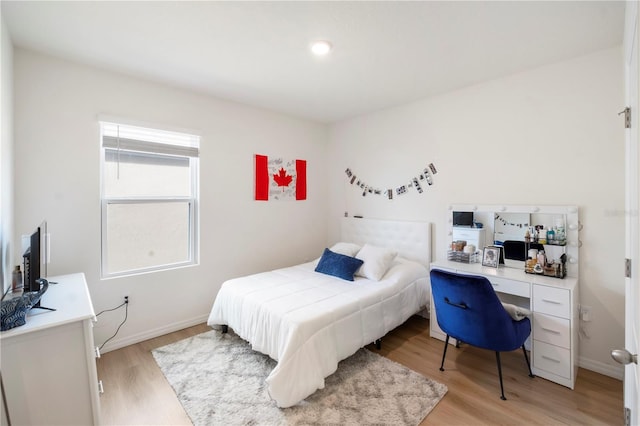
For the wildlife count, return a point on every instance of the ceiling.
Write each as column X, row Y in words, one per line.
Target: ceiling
column 257, row 53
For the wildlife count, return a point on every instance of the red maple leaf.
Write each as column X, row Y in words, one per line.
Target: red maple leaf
column 282, row 179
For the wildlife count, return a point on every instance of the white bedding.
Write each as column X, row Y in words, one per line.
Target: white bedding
column 308, row 321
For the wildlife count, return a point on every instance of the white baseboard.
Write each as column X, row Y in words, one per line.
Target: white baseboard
column 617, row 372
column 150, row 334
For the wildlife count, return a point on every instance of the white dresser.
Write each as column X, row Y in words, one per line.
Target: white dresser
column 48, row 365
column 474, row 236
column 554, row 322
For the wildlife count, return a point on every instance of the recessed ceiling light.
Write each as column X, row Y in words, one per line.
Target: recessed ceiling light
column 320, row 47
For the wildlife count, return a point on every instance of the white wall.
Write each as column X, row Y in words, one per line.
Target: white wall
column 549, row 136
column 6, row 167
column 58, row 179
column 7, row 246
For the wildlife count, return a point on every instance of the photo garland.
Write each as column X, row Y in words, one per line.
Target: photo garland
column 417, row 183
column 505, row 222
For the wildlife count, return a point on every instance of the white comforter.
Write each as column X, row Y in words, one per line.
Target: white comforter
column 308, row 321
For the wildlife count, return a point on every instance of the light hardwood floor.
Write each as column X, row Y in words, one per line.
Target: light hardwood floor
column 137, row 393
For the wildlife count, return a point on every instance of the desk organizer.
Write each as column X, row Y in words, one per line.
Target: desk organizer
column 460, row 256
column 557, row 270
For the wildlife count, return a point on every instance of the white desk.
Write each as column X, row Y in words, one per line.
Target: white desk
column 554, row 322
column 48, row 365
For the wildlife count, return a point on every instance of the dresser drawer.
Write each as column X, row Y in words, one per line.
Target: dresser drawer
column 517, row 288
column 553, row 359
column 466, row 233
column 552, row 301
column 553, row 330
column 473, row 236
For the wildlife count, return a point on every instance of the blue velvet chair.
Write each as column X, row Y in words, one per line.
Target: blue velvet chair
column 468, row 309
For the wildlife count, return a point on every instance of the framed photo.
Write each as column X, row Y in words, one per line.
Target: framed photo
column 491, row 256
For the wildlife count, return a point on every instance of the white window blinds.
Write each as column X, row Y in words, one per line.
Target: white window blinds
column 140, row 139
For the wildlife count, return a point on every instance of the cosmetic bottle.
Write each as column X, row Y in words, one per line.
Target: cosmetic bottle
column 16, row 279
column 542, row 236
column 541, row 258
column 551, row 235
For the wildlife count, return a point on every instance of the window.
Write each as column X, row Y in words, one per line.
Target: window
column 149, row 199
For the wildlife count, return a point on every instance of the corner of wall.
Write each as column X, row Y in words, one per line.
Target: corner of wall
column 6, row 156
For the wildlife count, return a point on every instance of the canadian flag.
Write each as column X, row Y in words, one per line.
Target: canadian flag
column 279, row 179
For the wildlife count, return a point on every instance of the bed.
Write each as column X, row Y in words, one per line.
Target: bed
column 308, row 321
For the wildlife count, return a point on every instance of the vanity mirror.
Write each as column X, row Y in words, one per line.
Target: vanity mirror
column 525, row 231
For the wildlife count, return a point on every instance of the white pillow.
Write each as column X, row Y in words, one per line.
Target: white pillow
column 516, row 312
column 348, row 249
column 377, row 261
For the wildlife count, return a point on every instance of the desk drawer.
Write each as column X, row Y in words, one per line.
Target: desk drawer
column 552, row 358
column 553, row 330
column 552, row 301
column 517, row 288
column 466, row 234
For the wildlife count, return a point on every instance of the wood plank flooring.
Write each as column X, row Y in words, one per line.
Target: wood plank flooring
column 136, row 392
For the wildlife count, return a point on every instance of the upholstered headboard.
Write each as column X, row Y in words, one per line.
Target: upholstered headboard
column 412, row 240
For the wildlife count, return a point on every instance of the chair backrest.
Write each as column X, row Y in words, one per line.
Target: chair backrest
column 468, row 309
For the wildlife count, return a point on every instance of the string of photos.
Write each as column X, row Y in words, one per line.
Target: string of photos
column 506, row 222
column 417, row 183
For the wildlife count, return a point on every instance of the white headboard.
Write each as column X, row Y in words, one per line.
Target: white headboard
column 412, row 240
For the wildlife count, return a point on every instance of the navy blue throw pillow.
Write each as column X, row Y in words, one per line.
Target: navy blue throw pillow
column 338, row 265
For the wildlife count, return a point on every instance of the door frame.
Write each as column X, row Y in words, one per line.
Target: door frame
column 632, row 217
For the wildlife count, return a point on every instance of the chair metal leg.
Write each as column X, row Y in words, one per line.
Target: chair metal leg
column 502, row 397
column 446, row 343
column 526, row 357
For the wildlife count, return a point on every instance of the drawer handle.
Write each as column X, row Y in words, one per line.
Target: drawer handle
column 550, row 331
column 552, row 301
column 97, row 352
column 550, row 359
column 100, row 387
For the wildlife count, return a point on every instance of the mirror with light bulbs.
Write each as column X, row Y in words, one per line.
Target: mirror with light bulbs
column 523, row 231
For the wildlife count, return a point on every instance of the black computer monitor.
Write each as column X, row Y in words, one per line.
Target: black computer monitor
column 463, row 219
column 35, row 259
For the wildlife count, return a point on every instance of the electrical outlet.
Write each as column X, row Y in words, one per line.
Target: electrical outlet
column 585, row 312
column 126, row 300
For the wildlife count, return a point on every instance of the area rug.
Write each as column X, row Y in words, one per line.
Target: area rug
column 220, row 380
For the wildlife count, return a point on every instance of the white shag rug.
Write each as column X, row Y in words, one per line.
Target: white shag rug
column 220, row 380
